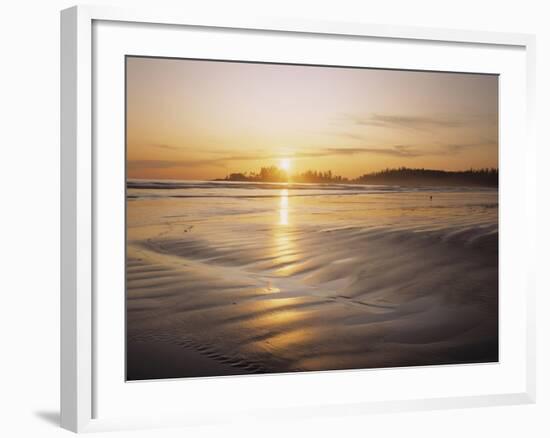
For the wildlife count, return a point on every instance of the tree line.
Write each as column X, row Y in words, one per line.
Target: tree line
column 404, row 176
column 394, row 176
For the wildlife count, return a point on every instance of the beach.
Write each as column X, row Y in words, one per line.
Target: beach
column 227, row 278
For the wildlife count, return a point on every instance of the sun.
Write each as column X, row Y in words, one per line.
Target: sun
column 284, row 164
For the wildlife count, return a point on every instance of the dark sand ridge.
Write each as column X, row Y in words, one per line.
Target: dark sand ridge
column 350, row 283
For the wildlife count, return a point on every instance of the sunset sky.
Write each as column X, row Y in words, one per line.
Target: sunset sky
column 205, row 119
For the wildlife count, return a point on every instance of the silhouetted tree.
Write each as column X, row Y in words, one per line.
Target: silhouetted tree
column 398, row 176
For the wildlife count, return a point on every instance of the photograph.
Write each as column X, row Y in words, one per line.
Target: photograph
column 285, row 218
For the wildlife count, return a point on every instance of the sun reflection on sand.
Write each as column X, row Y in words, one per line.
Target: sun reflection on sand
column 283, row 243
column 291, row 339
column 283, row 207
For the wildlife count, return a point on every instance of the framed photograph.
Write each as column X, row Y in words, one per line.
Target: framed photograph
column 289, row 218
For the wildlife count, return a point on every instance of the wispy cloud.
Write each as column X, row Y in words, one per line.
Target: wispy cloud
column 456, row 148
column 168, row 147
column 436, row 121
column 394, row 151
column 399, row 151
column 403, row 151
column 166, row 164
column 223, row 161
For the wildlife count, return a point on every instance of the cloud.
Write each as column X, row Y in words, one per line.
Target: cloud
column 455, row 148
column 394, row 151
column 399, row 151
column 421, row 122
column 166, row 146
column 166, row 164
column 403, row 151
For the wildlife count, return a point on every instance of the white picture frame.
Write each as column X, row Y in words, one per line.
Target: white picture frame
column 82, row 373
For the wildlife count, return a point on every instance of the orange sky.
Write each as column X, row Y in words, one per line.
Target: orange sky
column 204, row 119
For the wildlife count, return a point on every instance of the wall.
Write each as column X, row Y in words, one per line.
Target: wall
column 29, row 167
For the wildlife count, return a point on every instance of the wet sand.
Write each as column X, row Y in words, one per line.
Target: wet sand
column 222, row 286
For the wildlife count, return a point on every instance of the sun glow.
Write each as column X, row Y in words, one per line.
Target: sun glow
column 285, row 164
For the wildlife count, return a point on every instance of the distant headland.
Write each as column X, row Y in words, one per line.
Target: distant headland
column 404, row 176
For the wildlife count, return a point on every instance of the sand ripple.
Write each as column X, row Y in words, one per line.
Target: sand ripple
column 315, row 288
